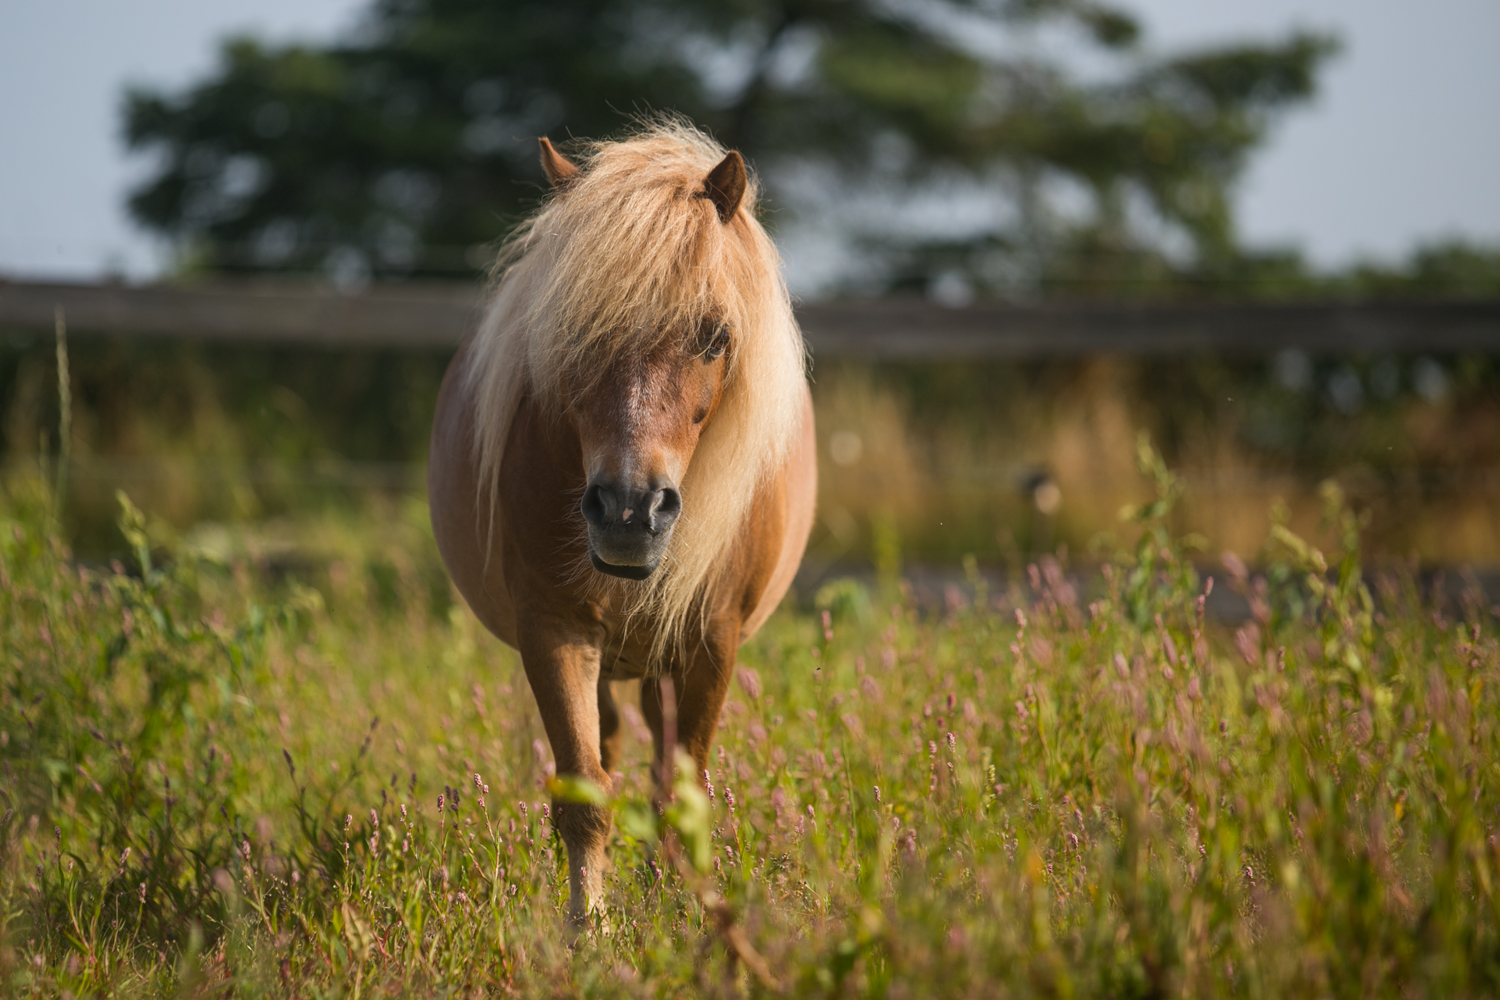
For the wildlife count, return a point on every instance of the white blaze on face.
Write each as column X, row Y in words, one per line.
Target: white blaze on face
column 636, row 410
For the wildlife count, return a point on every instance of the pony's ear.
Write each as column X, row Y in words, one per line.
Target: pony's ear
column 561, row 171
column 725, row 185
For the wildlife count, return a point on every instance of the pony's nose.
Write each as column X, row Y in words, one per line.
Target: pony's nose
column 609, row 507
column 664, row 506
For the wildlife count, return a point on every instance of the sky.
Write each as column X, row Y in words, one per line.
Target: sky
column 1402, row 146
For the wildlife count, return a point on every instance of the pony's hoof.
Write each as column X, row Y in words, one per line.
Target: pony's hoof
column 594, row 923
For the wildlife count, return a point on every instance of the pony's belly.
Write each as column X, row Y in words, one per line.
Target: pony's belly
column 481, row 584
column 489, row 599
column 464, row 538
column 798, row 495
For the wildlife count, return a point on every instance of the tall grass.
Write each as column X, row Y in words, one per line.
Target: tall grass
column 953, row 453
column 222, row 777
column 949, row 453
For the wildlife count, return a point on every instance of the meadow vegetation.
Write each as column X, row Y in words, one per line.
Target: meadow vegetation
column 226, row 771
column 947, row 453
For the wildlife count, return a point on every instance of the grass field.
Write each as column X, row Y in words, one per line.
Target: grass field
column 282, row 761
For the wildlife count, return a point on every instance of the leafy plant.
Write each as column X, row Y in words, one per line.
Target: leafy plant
column 1050, row 790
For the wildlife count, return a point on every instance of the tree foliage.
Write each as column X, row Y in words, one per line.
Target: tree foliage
column 405, row 148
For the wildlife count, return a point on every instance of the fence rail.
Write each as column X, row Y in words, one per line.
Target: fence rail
column 441, row 315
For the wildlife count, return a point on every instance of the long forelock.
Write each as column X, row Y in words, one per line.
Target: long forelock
column 632, row 253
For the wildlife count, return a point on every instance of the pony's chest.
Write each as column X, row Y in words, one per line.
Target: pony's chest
column 626, row 654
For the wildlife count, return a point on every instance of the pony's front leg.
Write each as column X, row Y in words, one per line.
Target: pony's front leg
column 699, row 687
column 563, row 668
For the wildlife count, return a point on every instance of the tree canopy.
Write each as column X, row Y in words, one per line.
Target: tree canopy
column 988, row 144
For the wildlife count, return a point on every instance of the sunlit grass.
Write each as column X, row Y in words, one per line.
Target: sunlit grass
column 226, row 770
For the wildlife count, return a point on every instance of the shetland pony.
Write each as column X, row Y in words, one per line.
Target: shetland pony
column 623, row 468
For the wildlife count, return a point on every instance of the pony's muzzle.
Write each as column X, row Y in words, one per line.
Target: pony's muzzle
column 628, row 528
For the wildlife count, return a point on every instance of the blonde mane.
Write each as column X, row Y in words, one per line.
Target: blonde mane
column 628, row 254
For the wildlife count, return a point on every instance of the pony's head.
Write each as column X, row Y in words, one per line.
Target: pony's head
column 640, row 401
column 644, row 304
column 638, row 426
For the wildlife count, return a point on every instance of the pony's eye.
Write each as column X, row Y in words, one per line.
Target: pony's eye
column 717, row 345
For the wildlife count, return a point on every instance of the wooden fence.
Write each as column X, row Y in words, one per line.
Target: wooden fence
column 440, row 316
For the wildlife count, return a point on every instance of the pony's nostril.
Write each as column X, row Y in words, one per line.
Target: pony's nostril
column 593, row 506
column 605, row 509
column 671, row 502
column 666, row 504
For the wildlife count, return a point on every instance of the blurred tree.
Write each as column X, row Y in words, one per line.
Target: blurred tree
column 1449, row 269
column 951, row 145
